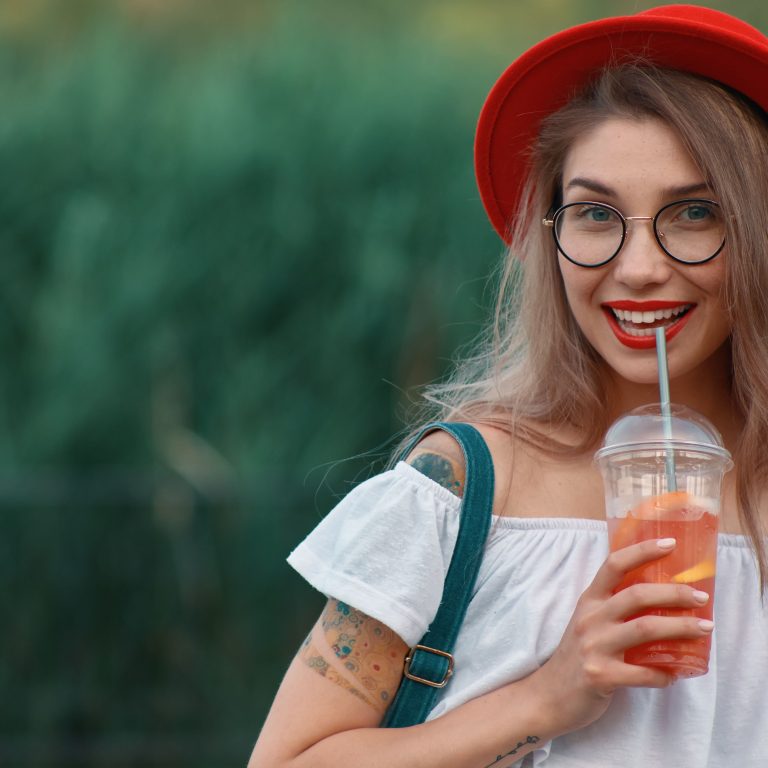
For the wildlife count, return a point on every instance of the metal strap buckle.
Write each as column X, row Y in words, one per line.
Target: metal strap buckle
column 431, row 683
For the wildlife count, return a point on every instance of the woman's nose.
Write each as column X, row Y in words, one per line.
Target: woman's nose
column 641, row 261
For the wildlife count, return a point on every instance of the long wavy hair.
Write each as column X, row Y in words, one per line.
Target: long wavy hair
column 534, row 369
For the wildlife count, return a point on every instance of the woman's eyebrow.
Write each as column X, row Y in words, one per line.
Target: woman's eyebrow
column 591, row 185
column 679, row 191
column 689, row 189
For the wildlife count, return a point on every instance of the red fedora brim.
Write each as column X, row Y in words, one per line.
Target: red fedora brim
column 689, row 38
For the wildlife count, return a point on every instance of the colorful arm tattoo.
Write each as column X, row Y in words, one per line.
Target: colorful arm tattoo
column 442, row 470
column 357, row 653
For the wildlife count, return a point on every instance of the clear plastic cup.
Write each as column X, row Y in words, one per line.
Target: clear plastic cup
column 663, row 478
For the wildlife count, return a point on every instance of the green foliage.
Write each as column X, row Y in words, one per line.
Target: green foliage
column 223, row 266
column 228, row 256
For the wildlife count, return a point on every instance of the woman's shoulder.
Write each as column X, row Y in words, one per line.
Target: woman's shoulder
column 438, row 455
column 530, row 480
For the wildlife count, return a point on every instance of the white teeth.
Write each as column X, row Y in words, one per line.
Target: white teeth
column 639, row 331
column 638, row 318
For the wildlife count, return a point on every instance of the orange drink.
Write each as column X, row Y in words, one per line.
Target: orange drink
column 663, row 470
column 672, row 515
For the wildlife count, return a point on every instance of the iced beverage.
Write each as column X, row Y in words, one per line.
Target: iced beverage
column 693, row 523
column 666, row 483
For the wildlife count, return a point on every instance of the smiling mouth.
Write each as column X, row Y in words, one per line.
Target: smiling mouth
column 643, row 323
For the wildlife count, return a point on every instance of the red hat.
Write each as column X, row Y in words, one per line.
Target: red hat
column 683, row 37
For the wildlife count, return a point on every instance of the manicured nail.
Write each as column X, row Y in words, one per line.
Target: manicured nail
column 706, row 625
column 699, row 596
column 666, row 543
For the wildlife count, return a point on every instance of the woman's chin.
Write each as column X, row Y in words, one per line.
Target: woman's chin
column 636, row 374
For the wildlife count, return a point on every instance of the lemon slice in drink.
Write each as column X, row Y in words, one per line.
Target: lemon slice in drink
column 703, row 570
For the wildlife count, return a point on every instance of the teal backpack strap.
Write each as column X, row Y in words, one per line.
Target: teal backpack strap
column 429, row 664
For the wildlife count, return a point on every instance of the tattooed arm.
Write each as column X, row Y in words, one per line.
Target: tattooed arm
column 350, row 649
column 348, row 670
column 337, row 690
column 357, row 653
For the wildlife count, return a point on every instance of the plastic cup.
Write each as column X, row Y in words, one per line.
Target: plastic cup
column 643, row 502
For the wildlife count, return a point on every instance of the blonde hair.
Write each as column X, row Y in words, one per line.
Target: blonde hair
column 536, row 369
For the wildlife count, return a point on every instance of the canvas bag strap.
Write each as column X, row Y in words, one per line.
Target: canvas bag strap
column 429, row 664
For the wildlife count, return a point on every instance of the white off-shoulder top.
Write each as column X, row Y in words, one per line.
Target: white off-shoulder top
column 385, row 550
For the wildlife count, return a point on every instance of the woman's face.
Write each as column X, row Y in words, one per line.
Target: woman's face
column 638, row 166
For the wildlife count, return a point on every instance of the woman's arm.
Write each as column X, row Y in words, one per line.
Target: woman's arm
column 332, row 699
column 337, row 690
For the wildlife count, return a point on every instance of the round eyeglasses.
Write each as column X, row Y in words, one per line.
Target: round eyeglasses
column 691, row 231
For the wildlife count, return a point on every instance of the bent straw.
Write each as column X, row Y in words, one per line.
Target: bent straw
column 666, row 411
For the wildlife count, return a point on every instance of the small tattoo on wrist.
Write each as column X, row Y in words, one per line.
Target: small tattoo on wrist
column 520, row 744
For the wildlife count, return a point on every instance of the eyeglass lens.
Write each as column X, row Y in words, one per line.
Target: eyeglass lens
column 591, row 233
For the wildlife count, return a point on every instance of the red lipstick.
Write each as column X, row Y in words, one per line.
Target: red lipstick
column 645, row 342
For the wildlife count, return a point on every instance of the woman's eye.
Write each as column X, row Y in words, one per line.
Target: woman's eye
column 697, row 212
column 595, row 215
column 588, row 218
column 693, row 214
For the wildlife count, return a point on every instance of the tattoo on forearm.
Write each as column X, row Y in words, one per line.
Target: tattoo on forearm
column 440, row 469
column 361, row 655
column 529, row 740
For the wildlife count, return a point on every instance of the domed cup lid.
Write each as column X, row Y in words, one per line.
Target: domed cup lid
column 645, row 428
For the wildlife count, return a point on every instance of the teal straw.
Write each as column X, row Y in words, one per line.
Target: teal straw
column 666, row 411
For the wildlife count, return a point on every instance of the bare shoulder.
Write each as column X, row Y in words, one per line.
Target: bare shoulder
column 528, row 482
column 439, row 457
column 542, row 483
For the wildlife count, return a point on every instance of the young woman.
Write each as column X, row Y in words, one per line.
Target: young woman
column 654, row 122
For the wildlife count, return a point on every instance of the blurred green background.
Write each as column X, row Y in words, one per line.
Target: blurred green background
column 235, row 238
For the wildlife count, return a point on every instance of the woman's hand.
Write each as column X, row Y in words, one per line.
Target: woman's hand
column 581, row 676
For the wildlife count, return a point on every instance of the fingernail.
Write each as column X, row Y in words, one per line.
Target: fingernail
column 666, row 543
column 699, row 596
column 706, row 625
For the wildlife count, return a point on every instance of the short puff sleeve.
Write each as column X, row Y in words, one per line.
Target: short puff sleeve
column 385, row 549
